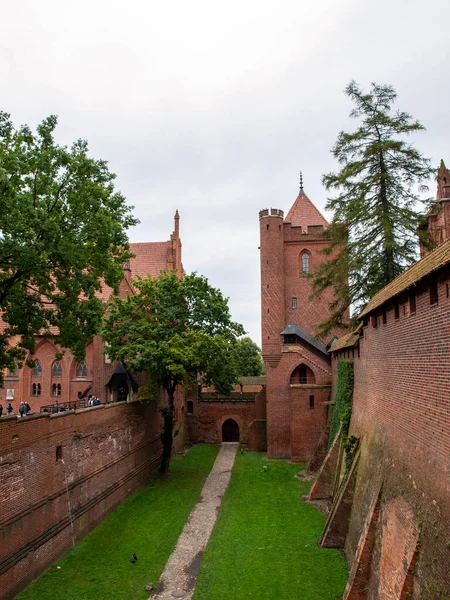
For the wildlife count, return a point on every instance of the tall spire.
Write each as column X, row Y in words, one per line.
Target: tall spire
column 301, row 184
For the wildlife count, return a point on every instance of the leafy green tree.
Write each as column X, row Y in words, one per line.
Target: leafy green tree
column 62, row 230
column 179, row 332
column 248, row 358
column 373, row 232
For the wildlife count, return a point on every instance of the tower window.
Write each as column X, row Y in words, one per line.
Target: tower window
column 311, row 402
column 302, row 375
column 294, row 302
column 305, row 262
column 59, row 453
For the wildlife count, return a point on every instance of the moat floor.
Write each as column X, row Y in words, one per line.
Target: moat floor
column 263, row 546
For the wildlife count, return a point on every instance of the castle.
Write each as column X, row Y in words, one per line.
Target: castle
column 386, row 480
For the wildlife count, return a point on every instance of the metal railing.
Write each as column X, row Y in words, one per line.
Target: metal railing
column 58, row 407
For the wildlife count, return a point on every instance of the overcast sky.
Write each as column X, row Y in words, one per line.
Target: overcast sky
column 214, row 107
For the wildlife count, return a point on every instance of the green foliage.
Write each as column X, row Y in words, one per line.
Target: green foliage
column 62, row 229
column 342, row 408
column 265, row 542
column 248, row 358
column 179, row 332
column 148, row 523
column 372, row 237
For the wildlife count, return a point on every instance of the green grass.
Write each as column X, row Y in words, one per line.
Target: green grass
column 148, row 523
column 264, row 544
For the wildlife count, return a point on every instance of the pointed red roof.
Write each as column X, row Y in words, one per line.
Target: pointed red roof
column 304, row 213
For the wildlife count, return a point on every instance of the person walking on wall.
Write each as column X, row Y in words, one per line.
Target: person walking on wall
column 27, row 408
column 9, row 408
column 22, row 409
column 1, row 409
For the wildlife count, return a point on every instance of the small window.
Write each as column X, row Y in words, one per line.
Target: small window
column 267, row 227
column 412, row 302
column 37, row 369
column 305, row 262
column 56, row 389
column 190, row 407
column 57, row 369
column 311, row 402
column 396, row 310
column 294, row 302
column 384, row 317
column 82, row 369
column 59, row 453
column 433, row 291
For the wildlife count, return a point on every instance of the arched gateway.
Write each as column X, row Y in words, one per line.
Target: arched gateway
column 230, row 431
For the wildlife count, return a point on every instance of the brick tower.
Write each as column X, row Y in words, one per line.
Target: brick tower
column 437, row 221
column 298, row 367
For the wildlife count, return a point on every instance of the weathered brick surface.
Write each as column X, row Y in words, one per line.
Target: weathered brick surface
column 401, row 413
column 212, row 415
column 107, row 451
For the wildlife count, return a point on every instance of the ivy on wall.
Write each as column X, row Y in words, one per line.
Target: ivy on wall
column 342, row 409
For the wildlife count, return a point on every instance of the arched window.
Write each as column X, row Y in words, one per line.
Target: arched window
column 190, row 407
column 294, row 302
column 37, row 369
column 82, row 369
column 302, row 375
column 36, row 389
column 305, row 262
column 56, row 389
column 57, row 369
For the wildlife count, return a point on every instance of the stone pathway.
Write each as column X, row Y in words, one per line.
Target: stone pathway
column 180, row 574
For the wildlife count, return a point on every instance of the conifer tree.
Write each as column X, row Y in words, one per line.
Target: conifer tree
column 373, row 234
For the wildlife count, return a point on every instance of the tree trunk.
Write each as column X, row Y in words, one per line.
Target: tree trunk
column 167, row 435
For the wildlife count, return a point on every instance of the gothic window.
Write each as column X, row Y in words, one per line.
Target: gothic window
column 82, row 369
column 305, row 263
column 36, row 389
column 294, row 302
column 56, row 389
column 37, row 369
column 57, row 369
column 302, row 375
column 12, row 372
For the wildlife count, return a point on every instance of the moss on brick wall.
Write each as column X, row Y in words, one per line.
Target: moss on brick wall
column 342, row 409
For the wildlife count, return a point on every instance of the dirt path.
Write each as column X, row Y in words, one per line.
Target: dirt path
column 180, row 574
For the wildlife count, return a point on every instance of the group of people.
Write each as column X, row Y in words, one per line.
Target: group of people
column 93, row 401
column 24, row 409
